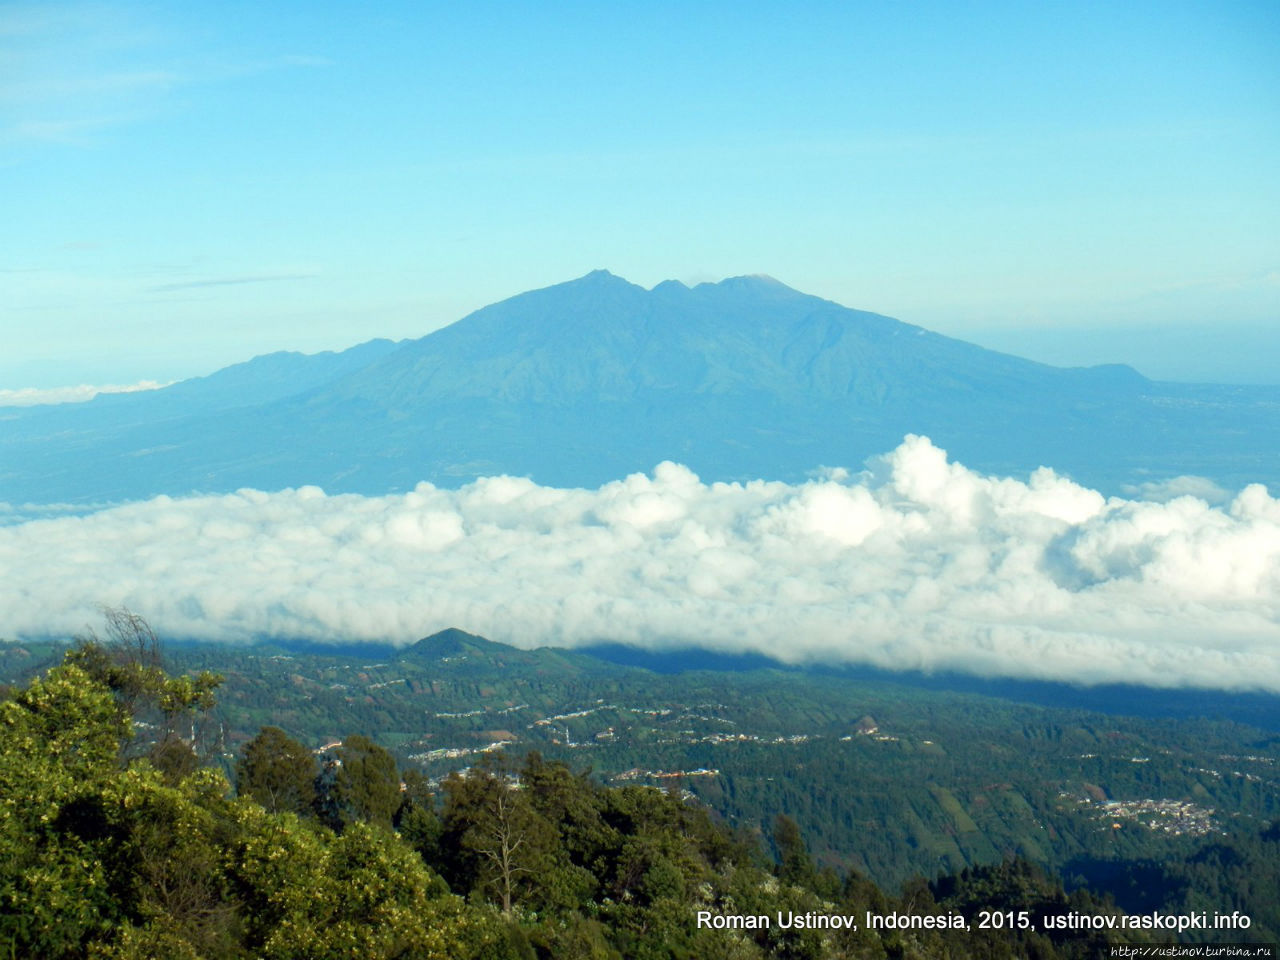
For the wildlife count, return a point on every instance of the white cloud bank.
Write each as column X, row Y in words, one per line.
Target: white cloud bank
column 919, row 563
column 34, row 396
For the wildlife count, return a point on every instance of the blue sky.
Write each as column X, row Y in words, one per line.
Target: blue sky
column 188, row 185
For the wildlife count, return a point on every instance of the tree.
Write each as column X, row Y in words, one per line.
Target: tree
column 499, row 840
column 360, row 784
column 278, row 772
column 416, row 819
column 174, row 758
column 569, row 801
column 129, row 663
column 58, row 746
column 499, row 844
column 794, row 863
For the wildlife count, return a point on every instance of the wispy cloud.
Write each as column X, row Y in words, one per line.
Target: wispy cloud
column 38, row 20
column 69, row 70
column 230, row 281
column 75, row 133
column 920, row 563
column 34, row 396
column 65, row 86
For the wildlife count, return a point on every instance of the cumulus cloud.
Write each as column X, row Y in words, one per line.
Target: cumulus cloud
column 916, row 563
column 33, row 396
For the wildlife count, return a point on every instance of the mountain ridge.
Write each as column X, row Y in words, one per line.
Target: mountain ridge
column 743, row 335
column 470, row 653
column 582, row 382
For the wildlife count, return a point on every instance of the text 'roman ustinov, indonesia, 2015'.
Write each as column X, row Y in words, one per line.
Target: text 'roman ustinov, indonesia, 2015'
column 984, row 920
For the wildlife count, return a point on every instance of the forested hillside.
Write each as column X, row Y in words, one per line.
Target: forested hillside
column 123, row 836
column 886, row 779
column 119, row 842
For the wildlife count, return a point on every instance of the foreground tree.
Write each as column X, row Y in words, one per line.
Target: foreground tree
column 359, row 784
column 416, row 820
column 493, row 839
column 278, row 772
column 104, row 855
column 58, row 751
column 129, row 663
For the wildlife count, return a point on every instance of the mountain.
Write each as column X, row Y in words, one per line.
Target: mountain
column 262, row 380
column 583, row 382
column 466, row 655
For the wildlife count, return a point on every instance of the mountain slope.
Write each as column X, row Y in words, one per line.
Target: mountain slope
column 264, row 379
column 601, row 339
column 467, row 654
column 589, row 380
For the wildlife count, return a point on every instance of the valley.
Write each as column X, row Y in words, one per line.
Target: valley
column 889, row 780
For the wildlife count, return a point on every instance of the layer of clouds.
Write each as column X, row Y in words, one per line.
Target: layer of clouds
column 916, row 563
column 34, row 396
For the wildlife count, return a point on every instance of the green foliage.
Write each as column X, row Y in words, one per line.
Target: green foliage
column 1240, row 872
column 114, row 852
column 359, row 784
column 104, row 858
column 948, row 781
column 58, row 744
column 794, row 863
column 174, row 758
column 499, row 843
column 130, row 665
column 278, row 772
column 311, row 894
